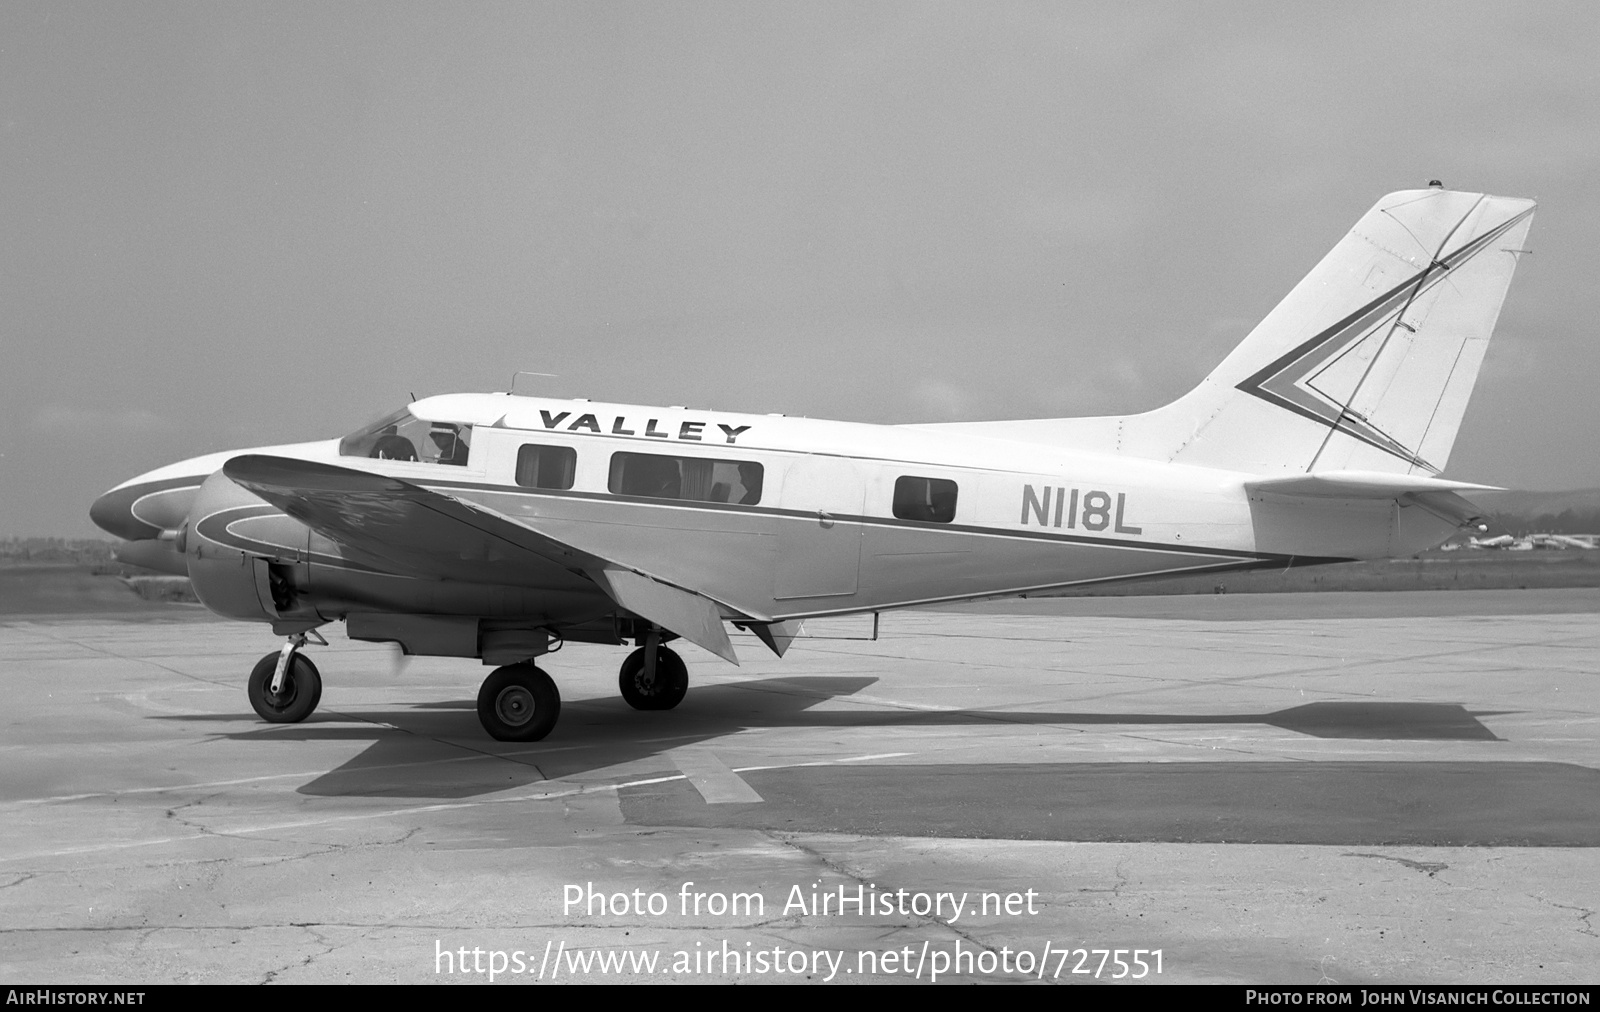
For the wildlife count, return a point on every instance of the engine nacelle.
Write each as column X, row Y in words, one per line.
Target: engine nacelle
column 246, row 559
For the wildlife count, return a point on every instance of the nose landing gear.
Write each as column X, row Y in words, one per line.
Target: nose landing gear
column 285, row 687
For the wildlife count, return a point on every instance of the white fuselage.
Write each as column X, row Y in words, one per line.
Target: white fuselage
column 824, row 535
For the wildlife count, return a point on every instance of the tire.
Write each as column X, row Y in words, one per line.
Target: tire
column 670, row 686
column 518, row 702
column 302, row 689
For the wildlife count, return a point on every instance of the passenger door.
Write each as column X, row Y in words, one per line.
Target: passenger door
column 819, row 552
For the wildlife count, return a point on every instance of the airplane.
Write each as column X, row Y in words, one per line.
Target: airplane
column 1561, row 541
column 498, row 527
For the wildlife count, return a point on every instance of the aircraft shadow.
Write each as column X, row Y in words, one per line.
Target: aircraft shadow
column 1351, row 802
column 438, row 749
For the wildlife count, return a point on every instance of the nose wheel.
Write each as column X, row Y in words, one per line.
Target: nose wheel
column 285, row 687
column 296, row 695
column 518, row 702
column 658, row 686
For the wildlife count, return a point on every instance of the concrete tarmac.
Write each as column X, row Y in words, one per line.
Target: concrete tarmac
column 1373, row 788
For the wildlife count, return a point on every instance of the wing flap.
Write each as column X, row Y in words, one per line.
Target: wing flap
column 692, row 616
column 777, row 635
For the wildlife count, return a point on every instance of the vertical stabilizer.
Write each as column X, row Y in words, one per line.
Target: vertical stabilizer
column 1366, row 365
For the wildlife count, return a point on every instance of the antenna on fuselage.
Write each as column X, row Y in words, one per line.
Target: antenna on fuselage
column 527, row 372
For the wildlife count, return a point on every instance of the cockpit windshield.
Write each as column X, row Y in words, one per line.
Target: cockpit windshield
column 404, row 436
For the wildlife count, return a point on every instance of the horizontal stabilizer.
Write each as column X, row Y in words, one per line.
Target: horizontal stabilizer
column 1362, row 485
column 690, row 615
column 1449, row 506
column 1436, row 495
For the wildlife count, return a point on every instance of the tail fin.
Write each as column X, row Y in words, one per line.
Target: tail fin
column 1366, row 365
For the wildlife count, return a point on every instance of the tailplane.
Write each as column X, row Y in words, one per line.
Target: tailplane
column 1366, row 365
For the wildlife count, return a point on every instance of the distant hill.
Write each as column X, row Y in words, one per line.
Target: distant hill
column 1576, row 511
column 36, row 551
column 1580, row 499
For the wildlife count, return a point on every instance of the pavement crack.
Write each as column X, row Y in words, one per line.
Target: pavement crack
column 1431, row 867
column 1115, row 889
column 200, row 827
column 865, row 882
column 1587, row 927
column 327, row 946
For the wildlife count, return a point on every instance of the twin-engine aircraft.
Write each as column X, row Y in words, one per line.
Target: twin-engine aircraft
column 497, row 527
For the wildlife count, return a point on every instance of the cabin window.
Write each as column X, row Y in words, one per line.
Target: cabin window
column 701, row 479
column 928, row 499
column 404, row 436
column 546, row 466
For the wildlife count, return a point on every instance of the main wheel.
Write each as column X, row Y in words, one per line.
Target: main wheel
column 300, row 694
column 666, row 691
column 518, row 703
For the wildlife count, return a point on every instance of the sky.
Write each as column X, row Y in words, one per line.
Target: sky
column 237, row 224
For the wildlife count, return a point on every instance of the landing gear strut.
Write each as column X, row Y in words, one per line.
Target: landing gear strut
column 658, row 686
column 285, row 686
column 518, row 702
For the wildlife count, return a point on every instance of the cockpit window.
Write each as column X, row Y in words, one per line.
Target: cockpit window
column 403, row 436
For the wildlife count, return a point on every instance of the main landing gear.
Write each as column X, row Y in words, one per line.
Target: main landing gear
column 653, row 686
column 285, row 687
column 518, row 702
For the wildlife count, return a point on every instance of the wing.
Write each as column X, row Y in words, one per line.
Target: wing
column 427, row 534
